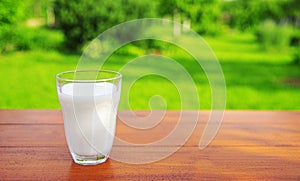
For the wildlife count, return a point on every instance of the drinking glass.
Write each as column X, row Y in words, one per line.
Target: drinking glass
column 89, row 100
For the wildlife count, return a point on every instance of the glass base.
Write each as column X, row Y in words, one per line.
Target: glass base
column 89, row 160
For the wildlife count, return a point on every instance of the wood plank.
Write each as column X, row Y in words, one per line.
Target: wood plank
column 255, row 145
column 188, row 163
column 30, row 117
column 228, row 135
column 32, row 135
column 241, row 117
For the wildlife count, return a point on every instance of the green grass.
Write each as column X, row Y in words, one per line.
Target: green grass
column 255, row 79
column 28, row 78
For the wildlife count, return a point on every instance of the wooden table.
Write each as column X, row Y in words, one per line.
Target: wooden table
column 249, row 145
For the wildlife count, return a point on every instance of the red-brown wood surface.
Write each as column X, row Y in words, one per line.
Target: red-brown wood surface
column 249, row 145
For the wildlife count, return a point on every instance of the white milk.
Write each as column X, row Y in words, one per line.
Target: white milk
column 89, row 132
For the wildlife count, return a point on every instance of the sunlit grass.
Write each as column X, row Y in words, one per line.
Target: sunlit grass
column 28, row 78
column 244, row 48
column 255, row 79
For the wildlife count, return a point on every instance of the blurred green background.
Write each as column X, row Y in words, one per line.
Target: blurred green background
column 256, row 41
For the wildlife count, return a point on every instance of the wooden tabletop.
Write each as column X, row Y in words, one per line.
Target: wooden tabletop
column 249, row 145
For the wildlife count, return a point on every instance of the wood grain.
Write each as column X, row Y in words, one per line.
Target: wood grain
column 251, row 145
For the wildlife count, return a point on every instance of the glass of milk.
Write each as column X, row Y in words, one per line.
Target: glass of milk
column 89, row 100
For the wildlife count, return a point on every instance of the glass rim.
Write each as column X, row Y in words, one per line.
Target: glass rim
column 118, row 76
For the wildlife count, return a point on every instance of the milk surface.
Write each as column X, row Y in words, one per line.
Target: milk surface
column 89, row 111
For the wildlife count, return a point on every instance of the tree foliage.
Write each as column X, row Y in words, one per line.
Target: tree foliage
column 11, row 12
column 247, row 15
column 204, row 15
column 82, row 21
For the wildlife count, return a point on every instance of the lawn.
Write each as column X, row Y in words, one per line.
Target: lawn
column 255, row 79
